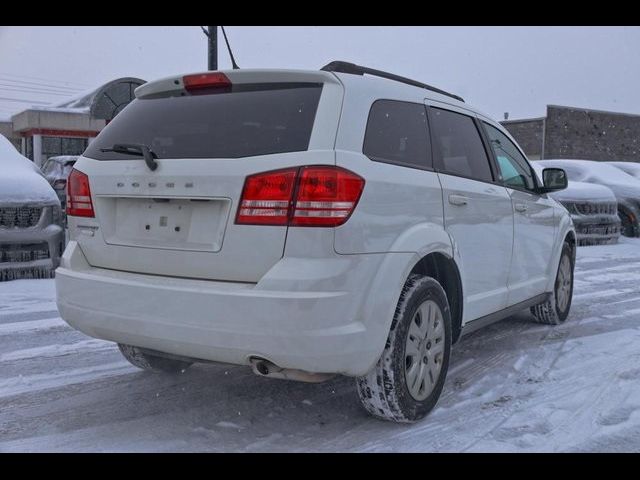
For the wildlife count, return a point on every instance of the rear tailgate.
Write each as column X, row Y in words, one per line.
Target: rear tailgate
column 179, row 220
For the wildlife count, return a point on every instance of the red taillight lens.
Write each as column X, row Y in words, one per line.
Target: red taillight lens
column 202, row 82
column 79, row 195
column 325, row 196
column 266, row 198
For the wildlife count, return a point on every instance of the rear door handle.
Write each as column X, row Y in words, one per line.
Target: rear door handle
column 458, row 200
column 521, row 207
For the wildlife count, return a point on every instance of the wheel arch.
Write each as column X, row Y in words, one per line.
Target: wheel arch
column 570, row 238
column 444, row 269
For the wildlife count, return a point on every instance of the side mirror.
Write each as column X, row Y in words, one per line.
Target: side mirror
column 553, row 179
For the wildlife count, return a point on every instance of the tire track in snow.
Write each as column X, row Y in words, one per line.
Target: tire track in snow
column 48, row 351
column 27, row 316
column 44, row 324
column 34, row 306
column 613, row 292
column 24, row 384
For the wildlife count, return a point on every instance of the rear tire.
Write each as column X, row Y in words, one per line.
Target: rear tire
column 556, row 310
column 152, row 363
column 406, row 383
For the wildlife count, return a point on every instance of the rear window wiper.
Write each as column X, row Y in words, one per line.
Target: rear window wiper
column 135, row 149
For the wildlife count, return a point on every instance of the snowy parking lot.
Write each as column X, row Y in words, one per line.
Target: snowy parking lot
column 513, row 386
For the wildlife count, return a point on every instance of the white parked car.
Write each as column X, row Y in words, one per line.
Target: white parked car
column 31, row 235
column 298, row 222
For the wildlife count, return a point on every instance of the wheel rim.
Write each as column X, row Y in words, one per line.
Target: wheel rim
column 563, row 284
column 424, row 350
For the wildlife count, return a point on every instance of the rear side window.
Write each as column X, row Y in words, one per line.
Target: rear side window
column 397, row 133
column 249, row 120
column 458, row 147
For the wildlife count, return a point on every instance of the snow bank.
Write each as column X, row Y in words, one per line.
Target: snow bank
column 20, row 179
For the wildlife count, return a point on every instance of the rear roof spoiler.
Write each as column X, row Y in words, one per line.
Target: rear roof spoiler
column 352, row 68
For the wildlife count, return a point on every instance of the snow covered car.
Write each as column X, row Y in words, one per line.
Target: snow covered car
column 31, row 235
column 298, row 222
column 630, row 168
column 625, row 187
column 593, row 209
column 56, row 170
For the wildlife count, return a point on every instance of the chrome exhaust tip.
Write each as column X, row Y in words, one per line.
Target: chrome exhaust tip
column 265, row 368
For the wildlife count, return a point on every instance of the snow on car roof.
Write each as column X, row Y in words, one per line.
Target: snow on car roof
column 20, row 179
column 578, row 191
column 593, row 172
column 631, row 168
column 64, row 158
column 581, row 191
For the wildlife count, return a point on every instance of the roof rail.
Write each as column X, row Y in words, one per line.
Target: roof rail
column 352, row 68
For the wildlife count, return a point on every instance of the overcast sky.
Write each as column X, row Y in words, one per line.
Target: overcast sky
column 497, row 69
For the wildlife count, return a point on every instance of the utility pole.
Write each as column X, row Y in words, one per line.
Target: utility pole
column 213, row 48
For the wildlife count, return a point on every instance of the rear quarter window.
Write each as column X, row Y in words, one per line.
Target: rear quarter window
column 397, row 132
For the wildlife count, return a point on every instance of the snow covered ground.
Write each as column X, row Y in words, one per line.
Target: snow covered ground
column 514, row 386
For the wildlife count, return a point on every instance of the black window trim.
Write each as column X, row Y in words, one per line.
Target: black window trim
column 485, row 145
column 485, row 135
column 427, row 168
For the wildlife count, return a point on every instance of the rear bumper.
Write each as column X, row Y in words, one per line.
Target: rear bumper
column 315, row 331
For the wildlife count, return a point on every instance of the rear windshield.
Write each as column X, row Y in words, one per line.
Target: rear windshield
column 249, row 120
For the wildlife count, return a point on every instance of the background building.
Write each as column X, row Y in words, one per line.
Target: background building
column 67, row 128
column 6, row 129
column 570, row 132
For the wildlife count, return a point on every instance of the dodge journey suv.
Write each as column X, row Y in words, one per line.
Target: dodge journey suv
column 310, row 223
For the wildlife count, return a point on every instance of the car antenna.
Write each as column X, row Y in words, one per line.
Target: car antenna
column 233, row 60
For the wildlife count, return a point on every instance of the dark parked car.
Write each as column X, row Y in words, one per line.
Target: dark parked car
column 593, row 209
column 625, row 187
column 56, row 170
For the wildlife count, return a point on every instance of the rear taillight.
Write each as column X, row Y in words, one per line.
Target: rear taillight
column 314, row 196
column 326, row 196
column 205, row 82
column 266, row 198
column 79, row 195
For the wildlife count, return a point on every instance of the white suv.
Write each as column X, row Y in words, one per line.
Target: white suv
column 309, row 223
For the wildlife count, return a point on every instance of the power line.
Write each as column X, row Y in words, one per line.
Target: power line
column 21, row 100
column 40, row 85
column 45, row 79
column 35, row 92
